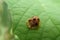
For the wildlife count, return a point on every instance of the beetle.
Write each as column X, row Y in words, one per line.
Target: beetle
column 33, row 22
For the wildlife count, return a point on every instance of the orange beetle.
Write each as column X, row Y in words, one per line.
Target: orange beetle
column 33, row 22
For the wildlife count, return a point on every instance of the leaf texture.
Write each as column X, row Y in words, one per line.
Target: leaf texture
column 47, row 10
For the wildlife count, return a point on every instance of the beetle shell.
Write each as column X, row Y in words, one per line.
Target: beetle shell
column 33, row 22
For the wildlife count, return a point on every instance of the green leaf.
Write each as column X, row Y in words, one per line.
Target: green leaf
column 5, row 21
column 47, row 10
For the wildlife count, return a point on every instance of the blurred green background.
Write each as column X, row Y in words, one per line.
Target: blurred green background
column 15, row 14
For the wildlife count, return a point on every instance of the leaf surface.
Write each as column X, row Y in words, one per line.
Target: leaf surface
column 47, row 10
